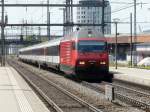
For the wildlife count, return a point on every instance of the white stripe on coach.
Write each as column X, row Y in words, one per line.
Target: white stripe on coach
column 50, row 59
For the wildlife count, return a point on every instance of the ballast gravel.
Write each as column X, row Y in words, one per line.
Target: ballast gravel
column 96, row 99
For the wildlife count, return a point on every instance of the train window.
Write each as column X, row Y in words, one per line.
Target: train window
column 91, row 46
column 53, row 51
column 34, row 52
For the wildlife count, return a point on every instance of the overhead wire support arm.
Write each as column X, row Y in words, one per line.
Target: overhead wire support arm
column 55, row 24
column 65, row 24
column 51, row 5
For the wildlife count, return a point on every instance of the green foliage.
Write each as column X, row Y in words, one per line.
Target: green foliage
column 129, row 65
column 34, row 38
column 119, row 65
column 44, row 39
column 144, row 67
column 31, row 38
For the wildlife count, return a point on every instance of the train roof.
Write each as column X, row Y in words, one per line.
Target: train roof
column 85, row 33
column 82, row 33
column 41, row 45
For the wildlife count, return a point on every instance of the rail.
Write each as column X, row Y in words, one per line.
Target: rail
column 50, row 102
column 119, row 95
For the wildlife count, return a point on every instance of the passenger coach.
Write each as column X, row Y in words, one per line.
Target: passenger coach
column 82, row 53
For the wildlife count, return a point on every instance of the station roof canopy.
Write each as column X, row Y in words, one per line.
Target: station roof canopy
column 126, row 39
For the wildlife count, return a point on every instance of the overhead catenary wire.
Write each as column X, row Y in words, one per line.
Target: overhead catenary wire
column 115, row 11
column 127, row 3
column 118, row 10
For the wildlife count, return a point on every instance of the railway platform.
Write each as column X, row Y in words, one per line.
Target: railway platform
column 16, row 95
column 133, row 75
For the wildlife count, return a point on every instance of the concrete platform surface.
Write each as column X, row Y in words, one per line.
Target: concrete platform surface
column 16, row 95
column 135, row 75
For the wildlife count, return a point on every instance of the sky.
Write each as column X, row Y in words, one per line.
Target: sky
column 38, row 15
column 143, row 14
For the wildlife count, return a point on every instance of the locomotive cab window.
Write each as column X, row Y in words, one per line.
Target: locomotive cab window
column 91, row 46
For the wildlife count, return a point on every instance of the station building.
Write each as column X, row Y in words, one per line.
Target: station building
column 124, row 45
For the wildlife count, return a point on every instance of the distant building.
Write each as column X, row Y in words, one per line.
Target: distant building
column 93, row 15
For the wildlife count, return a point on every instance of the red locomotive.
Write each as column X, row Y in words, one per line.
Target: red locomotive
column 82, row 53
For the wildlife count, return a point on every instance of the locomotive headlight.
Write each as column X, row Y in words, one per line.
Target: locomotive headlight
column 82, row 63
column 89, row 35
column 103, row 63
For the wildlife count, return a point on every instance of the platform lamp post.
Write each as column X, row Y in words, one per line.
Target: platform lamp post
column 135, row 33
column 131, row 40
column 116, row 20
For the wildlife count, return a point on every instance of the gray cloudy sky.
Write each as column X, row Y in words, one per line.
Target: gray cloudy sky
column 38, row 15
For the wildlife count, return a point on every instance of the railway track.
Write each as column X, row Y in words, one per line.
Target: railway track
column 57, row 98
column 127, row 95
column 127, row 84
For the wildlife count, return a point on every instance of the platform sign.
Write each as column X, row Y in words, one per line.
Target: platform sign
column 109, row 92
